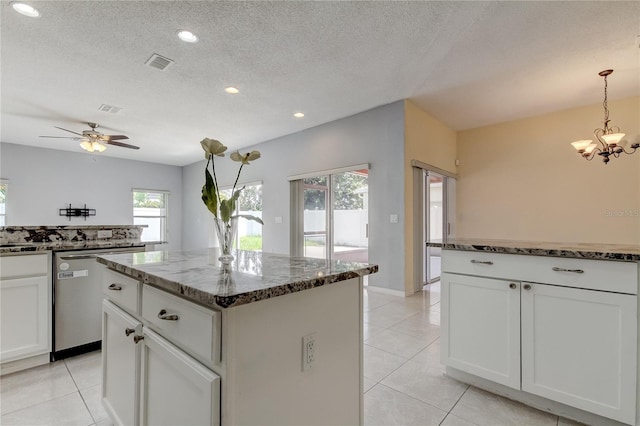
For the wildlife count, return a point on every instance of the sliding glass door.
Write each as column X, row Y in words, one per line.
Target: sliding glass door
column 333, row 213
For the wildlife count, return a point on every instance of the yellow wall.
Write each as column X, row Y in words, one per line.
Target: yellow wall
column 522, row 180
column 429, row 141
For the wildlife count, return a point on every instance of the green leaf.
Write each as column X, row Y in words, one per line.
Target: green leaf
column 209, row 194
column 250, row 217
column 225, row 210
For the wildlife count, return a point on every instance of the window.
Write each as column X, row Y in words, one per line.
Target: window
column 3, row 202
column 150, row 208
column 249, row 236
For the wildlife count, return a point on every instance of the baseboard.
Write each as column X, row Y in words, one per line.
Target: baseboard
column 23, row 364
column 385, row 291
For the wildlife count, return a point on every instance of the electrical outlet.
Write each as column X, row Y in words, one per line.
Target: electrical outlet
column 308, row 351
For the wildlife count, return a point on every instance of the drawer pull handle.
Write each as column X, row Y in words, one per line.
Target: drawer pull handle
column 482, row 262
column 577, row 271
column 115, row 287
column 167, row 317
column 527, row 286
column 137, row 339
column 128, row 331
column 512, row 285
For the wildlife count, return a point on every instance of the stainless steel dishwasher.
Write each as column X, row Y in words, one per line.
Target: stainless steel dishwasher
column 77, row 300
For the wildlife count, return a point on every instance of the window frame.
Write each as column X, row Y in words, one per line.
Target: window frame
column 3, row 214
column 164, row 219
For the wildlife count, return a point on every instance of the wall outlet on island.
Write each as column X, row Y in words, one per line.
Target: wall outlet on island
column 105, row 233
column 308, row 351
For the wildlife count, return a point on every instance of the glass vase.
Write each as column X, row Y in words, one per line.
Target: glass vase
column 226, row 232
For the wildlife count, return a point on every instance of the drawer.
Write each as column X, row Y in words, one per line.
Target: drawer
column 619, row 277
column 193, row 328
column 122, row 290
column 24, row 265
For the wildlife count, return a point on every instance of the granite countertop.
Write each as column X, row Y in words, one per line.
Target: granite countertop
column 197, row 275
column 27, row 247
column 597, row 251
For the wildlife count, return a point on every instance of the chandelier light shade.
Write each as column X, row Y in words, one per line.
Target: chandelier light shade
column 610, row 140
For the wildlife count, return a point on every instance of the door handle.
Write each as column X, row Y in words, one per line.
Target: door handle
column 114, row 287
column 128, row 331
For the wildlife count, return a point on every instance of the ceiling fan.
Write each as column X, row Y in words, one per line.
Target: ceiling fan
column 92, row 140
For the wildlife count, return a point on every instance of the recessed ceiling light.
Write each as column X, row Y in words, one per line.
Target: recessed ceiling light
column 298, row 114
column 231, row 90
column 187, row 36
column 25, row 9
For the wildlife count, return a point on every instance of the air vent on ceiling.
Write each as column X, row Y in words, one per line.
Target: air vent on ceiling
column 158, row 62
column 109, row 108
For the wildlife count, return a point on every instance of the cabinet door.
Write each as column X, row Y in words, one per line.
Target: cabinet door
column 24, row 317
column 120, row 365
column 579, row 348
column 481, row 327
column 176, row 389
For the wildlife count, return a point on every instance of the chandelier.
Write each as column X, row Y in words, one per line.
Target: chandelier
column 610, row 141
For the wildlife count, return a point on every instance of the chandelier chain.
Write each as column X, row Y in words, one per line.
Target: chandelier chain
column 606, row 108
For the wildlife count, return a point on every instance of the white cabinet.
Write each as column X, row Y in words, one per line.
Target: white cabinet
column 176, row 389
column 25, row 314
column 572, row 341
column 146, row 380
column 120, row 365
column 579, row 348
column 489, row 345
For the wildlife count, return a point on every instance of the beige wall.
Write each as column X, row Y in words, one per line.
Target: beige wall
column 429, row 141
column 522, row 180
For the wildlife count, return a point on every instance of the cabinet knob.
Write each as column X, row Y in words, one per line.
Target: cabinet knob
column 137, row 338
column 163, row 315
column 128, row 331
column 114, row 287
column 512, row 285
column 527, row 286
column 482, row 262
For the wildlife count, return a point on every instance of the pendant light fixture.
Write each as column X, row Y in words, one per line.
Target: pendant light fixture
column 610, row 141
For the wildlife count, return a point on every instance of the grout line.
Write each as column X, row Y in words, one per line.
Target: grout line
column 78, row 390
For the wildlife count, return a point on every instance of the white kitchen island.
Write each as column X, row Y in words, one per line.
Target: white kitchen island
column 552, row 325
column 274, row 341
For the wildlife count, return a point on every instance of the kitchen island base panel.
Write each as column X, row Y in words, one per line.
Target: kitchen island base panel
column 262, row 349
column 534, row 401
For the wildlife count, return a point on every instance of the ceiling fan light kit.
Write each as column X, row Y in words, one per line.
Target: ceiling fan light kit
column 92, row 140
column 610, row 140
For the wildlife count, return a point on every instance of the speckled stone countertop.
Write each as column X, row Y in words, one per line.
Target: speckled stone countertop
column 66, row 245
column 596, row 251
column 197, row 275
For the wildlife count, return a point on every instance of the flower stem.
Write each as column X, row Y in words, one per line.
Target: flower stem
column 215, row 179
column 237, row 177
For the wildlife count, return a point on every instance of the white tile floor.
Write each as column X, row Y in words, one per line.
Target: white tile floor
column 404, row 380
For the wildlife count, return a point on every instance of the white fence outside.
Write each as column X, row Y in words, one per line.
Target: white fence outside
column 350, row 226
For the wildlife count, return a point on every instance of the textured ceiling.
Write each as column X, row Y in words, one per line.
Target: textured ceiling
column 467, row 63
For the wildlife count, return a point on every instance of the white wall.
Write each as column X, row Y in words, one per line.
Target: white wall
column 375, row 136
column 42, row 181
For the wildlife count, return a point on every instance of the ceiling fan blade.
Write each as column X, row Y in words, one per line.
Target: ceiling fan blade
column 122, row 144
column 75, row 138
column 70, row 131
column 113, row 137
